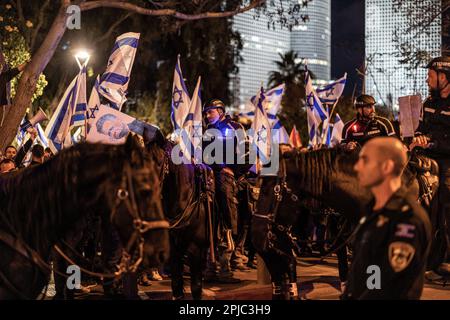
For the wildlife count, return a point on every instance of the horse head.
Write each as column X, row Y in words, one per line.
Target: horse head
column 136, row 210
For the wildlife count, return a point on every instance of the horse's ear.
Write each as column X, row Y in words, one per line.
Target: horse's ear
column 152, row 134
column 131, row 144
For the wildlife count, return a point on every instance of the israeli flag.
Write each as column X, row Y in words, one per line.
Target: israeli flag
column 41, row 136
column 78, row 101
column 20, row 136
column 326, row 132
column 313, row 102
column 273, row 99
column 279, row 133
column 336, row 135
column 331, row 93
column 272, row 105
column 93, row 105
column 193, row 128
column 114, row 82
column 58, row 128
column 180, row 98
column 315, row 111
column 261, row 130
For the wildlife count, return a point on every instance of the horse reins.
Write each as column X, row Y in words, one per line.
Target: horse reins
column 126, row 194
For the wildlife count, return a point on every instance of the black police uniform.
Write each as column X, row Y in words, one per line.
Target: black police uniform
column 396, row 239
column 226, row 185
column 435, row 123
column 360, row 130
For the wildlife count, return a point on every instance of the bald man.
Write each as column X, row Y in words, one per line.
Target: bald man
column 391, row 243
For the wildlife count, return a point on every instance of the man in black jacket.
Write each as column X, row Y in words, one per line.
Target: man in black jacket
column 225, row 149
column 366, row 125
column 433, row 134
column 5, row 77
column 392, row 240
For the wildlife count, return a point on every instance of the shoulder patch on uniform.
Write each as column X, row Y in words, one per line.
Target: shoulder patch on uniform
column 400, row 255
column 405, row 230
column 382, row 220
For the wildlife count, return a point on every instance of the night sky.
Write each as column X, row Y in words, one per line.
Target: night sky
column 347, row 41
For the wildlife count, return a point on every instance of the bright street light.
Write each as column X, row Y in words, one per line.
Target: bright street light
column 82, row 55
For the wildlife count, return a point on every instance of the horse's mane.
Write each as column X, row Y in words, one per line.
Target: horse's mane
column 316, row 168
column 38, row 198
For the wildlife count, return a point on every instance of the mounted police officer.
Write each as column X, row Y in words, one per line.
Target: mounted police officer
column 225, row 149
column 433, row 134
column 366, row 125
column 392, row 240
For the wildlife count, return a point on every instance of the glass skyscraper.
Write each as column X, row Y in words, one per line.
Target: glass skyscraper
column 386, row 78
column 262, row 45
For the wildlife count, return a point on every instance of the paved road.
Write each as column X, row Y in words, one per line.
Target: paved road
column 317, row 280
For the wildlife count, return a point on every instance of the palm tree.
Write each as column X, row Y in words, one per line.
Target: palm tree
column 291, row 71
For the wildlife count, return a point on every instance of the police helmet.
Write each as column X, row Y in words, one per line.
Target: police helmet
column 214, row 104
column 364, row 100
column 440, row 64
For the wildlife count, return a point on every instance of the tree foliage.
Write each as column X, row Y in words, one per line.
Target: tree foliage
column 15, row 48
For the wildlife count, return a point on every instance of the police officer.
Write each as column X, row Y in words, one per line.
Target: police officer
column 391, row 244
column 225, row 148
column 5, row 77
column 366, row 125
column 433, row 134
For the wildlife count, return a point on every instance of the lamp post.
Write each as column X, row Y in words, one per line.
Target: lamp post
column 82, row 57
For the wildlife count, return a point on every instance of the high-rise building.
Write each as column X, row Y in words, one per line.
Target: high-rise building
column 312, row 40
column 387, row 78
column 262, row 45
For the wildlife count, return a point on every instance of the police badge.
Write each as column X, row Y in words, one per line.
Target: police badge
column 400, row 255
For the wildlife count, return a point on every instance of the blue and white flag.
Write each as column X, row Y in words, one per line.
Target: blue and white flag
column 279, row 133
column 272, row 105
column 336, row 135
column 21, row 133
column 261, row 130
column 114, row 82
column 58, row 128
column 316, row 113
column 326, row 129
column 193, row 128
column 180, row 98
column 331, row 93
column 93, row 106
column 94, row 99
column 78, row 101
column 41, row 135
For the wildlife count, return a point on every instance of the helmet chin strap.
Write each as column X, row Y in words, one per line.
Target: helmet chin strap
column 436, row 93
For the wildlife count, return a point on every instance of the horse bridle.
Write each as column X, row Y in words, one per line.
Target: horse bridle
column 278, row 190
column 125, row 193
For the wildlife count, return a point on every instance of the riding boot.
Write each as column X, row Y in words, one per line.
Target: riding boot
column 292, row 290
column 277, row 291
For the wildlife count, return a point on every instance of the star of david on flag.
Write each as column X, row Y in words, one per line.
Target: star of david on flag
column 180, row 98
column 261, row 130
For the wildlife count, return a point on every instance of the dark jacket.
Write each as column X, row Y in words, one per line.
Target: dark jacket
column 22, row 152
column 238, row 153
column 360, row 130
column 5, row 77
column 435, row 123
column 396, row 239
